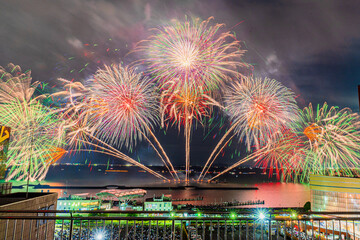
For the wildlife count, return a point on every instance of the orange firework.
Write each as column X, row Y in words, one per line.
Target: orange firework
column 312, row 132
column 54, row 154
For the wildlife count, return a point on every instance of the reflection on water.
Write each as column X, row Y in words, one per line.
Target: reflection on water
column 274, row 194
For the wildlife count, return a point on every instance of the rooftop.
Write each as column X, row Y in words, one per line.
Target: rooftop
column 20, row 196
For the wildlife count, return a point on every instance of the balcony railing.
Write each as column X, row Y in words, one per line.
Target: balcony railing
column 177, row 225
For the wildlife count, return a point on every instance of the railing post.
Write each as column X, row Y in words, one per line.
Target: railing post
column 157, row 229
column 22, row 229
column 173, row 229
column 269, row 235
column 14, row 232
column 71, row 228
column 218, row 230
column 181, row 229
column 247, row 230
column 204, row 226
column 149, row 231
column 225, row 230
column 142, row 229
column 6, row 228
column 127, row 229
column 88, row 232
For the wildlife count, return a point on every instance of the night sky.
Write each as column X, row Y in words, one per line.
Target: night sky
column 313, row 47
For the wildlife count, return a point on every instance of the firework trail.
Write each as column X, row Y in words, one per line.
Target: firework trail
column 282, row 153
column 80, row 134
column 183, row 107
column 117, row 108
column 194, row 53
column 258, row 110
column 321, row 141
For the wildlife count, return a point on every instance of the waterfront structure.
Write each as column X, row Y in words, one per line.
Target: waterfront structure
column 158, row 204
column 36, row 229
column 121, row 195
column 76, row 203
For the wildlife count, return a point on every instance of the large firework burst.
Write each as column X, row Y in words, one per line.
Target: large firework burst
column 124, row 103
column 331, row 139
column 36, row 139
column 117, row 107
column 192, row 52
column 258, row 110
column 36, row 136
column 321, row 141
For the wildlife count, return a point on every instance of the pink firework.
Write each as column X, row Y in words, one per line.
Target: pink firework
column 192, row 53
column 124, row 105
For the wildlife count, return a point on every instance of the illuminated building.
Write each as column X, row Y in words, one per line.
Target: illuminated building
column 78, row 203
column 158, row 204
column 333, row 194
column 123, row 196
column 120, row 194
column 336, row 194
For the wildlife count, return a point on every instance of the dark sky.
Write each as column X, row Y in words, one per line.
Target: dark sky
column 312, row 47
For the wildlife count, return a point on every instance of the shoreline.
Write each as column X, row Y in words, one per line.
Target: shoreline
column 39, row 186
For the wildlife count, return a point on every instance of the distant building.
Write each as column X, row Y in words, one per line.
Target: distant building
column 33, row 229
column 75, row 203
column 158, row 204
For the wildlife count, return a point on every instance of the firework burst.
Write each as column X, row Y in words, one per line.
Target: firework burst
column 16, row 85
column 124, row 103
column 194, row 52
column 321, row 141
column 258, row 110
column 118, row 107
column 282, row 153
column 36, row 139
column 183, row 105
column 331, row 138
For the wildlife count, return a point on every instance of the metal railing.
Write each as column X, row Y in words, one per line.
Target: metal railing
column 177, row 225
